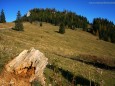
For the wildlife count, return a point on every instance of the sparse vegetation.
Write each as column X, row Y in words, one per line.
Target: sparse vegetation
column 59, row 49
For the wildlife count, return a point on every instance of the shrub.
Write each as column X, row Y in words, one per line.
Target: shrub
column 18, row 23
column 62, row 28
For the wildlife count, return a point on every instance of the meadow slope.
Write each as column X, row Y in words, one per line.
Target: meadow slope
column 59, row 49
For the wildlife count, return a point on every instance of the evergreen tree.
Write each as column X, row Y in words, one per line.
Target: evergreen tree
column 18, row 23
column 62, row 28
column 2, row 17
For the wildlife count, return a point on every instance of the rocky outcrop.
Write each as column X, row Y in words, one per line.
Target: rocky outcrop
column 29, row 63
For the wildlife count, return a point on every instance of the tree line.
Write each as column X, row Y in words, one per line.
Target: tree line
column 68, row 18
column 104, row 29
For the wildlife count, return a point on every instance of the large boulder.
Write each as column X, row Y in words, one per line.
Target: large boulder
column 29, row 63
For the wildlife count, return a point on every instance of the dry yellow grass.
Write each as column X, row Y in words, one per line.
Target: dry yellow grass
column 55, row 46
column 6, row 25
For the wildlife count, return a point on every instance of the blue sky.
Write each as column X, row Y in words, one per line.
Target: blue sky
column 80, row 7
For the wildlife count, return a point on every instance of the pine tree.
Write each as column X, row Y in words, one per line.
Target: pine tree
column 62, row 28
column 2, row 17
column 18, row 23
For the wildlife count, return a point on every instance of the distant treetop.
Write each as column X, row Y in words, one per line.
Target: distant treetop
column 2, row 17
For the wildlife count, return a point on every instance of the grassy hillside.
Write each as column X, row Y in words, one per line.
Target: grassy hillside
column 6, row 25
column 62, row 51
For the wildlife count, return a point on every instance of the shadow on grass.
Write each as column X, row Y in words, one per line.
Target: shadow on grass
column 76, row 80
column 57, row 31
column 1, row 67
column 96, row 64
